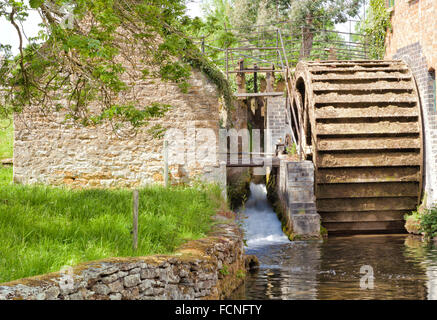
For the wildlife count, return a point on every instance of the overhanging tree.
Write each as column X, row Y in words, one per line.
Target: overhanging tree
column 308, row 16
column 74, row 61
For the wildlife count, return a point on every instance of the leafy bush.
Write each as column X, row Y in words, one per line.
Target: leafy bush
column 428, row 223
column 375, row 28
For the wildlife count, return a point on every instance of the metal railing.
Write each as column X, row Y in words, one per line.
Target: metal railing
column 258, row 45
column 278, row 48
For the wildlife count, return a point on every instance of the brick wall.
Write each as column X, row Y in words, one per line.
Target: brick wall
column 414, row 21
column 414, row 40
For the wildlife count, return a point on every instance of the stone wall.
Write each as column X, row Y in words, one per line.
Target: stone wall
column 295, row 188
column 50, row 150
column 414, row 40
column 276, row 121
column 209, row 268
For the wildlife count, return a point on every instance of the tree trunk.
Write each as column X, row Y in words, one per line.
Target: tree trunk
column 307, row 38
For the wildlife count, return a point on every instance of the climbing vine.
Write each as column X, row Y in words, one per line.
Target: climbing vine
column 74, row 62
column 375, row 28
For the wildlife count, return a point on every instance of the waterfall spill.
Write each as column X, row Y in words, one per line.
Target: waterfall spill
column 403, row 267
column 260, row 222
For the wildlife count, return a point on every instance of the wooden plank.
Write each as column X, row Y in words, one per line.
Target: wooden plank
column 394, row 98
column 135, row 203
column 363, row 216
column 357, row 68
column 254, row 163
column 166, row 164
column 259, row 94
column 389, row 111
column 358, row 175
column 253, row 48
column 257, row 71
column 368, row 143
column 370, row 159
column 364, row 87
column 368, row 128
column 362, row 226
column 353, row 63
column 367, row 204
column 393, row 76
column 367, row 190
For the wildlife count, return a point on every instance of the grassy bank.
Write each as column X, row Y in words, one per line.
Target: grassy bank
column 6, row 139
column 44, row 228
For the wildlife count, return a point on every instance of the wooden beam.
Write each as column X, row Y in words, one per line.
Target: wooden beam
column 253, row 70
column 259, row 94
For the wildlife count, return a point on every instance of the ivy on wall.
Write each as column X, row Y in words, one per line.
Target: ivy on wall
column 375, row 28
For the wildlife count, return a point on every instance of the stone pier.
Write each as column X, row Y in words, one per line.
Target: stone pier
column 296, row 195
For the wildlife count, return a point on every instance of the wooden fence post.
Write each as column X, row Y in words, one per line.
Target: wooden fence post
column 166, row 163
column 135, row 219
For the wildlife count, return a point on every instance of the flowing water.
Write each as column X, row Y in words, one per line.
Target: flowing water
column 337, row 268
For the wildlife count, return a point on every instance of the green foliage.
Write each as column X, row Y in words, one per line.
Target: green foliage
column 43, row 229
column 5, row 176
column 70, row 69
column 323, row 231
column 225, row 270
column 136, row 116
column 241, row 274
column 428, row 223
column 250, row 82
column 375, row 28
column 292, row 150
column 238, row 191
column 307, row 20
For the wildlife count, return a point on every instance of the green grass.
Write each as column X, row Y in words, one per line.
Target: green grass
column 43, row 229
column 5, row 176
column 6, row 139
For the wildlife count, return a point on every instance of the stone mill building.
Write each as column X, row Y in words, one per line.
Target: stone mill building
column 413, row 38
column 49, row 151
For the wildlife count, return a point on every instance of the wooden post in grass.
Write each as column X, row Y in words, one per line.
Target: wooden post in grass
column 135, row 219
column 166, row 163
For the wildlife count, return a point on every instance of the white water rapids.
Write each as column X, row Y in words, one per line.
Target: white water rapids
column 260, row 221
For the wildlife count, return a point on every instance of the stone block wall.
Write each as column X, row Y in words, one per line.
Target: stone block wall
column 194, row 272
column 275, row 121
column 296, row 194
column 50, row 150
column 414, row 40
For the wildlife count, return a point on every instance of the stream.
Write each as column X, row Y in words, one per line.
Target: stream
column 337, row 268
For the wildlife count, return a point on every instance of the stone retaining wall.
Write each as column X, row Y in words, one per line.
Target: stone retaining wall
column 208, row 268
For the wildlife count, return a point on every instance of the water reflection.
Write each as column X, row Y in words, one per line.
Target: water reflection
column 404, row 267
